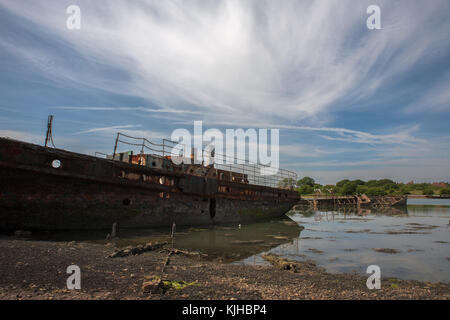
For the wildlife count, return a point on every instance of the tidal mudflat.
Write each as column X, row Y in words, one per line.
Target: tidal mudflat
column 33, row 269
column 409, row 243
column 308, row 255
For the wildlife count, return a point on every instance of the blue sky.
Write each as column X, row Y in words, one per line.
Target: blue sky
column 349, row 102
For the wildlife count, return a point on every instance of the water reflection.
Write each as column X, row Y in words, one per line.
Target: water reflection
column 351, row 211
column 225, row 243
column 411, row 242
column 230, row 243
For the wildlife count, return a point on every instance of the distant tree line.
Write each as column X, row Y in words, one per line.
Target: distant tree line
column 308, row 186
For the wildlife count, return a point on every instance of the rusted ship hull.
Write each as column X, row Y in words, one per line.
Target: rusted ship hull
column 92, row 193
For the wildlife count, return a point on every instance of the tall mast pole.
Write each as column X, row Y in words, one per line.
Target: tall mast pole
column 48, row 136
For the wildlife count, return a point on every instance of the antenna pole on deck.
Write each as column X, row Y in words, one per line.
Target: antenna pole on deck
column 141, row 156
column 115, row 146
column 48, row 136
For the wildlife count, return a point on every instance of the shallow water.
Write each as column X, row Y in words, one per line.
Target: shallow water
column 225, row 243
column 341, row 241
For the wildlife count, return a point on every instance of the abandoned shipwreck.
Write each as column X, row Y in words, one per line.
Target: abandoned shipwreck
column 50, row 189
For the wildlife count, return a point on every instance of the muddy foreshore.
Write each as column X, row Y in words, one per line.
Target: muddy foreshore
column 37, row 270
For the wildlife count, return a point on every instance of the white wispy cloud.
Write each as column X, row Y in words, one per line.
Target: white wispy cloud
column 142, row 109
column 260, row 64
column 289, row 60
column 21, row 135
column 111, row 131
column 400, row 136
column 108, row 129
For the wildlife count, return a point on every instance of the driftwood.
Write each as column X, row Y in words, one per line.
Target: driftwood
column 131, row 251
column 284, row 264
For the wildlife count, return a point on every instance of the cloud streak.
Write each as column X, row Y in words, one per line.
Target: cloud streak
column 234, row 57
column 108, row 129
column 309, row 68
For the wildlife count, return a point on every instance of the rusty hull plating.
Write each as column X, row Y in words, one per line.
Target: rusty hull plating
column 86, row 192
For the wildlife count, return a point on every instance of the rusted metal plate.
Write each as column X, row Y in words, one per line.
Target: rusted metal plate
column 198, row 185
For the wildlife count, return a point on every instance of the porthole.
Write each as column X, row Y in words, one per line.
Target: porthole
column 56, row 163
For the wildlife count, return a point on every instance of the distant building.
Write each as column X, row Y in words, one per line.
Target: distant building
column 411, row 182
column 440, row 184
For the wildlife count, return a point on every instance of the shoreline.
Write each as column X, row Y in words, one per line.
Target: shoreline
column 37, row 270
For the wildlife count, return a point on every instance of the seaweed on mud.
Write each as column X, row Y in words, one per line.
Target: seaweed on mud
column 419, row 226
column 415, row 250
column 386, row 250
column 358, row 231
column 399, row 232
column 288, row 265
column 310, row 238
column 132, row 251
column 247, row 241
column 313, row 250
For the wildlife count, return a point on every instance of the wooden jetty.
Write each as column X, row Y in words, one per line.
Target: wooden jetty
column 359, row 201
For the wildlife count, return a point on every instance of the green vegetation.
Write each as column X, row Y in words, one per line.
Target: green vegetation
column 307, row 186
column 178, row 285
column 306, row 181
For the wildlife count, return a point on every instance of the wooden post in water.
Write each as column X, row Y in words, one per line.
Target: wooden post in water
column 114, row 230
column 173, row 233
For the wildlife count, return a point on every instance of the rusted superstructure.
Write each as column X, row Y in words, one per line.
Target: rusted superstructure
column 47, row 188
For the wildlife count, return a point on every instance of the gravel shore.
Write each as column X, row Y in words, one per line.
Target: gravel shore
column 37, row 270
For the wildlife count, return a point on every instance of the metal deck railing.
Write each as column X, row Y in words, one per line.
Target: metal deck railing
column 252, row 171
